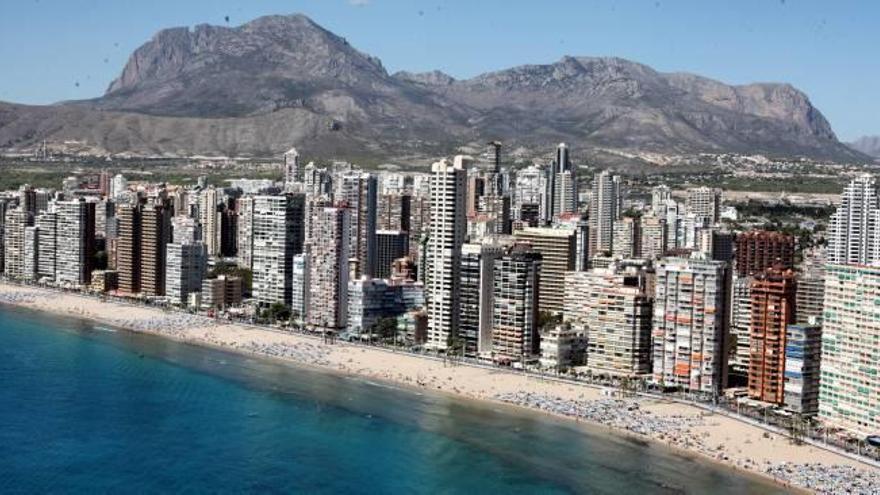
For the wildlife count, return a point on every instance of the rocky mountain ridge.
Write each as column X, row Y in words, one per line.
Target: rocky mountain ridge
column 282, row 81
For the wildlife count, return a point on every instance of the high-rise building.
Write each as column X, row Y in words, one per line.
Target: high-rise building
column 245, row 251
column 704, row 202
column 299, row 287
column 811, row 287
column 155, row 235
column 16, row 222
column 558, row 249
column 128, row 249
column 445, row 236
column 291, row 166
column 497, row 208
column 278, row 236
column 740, row 327
column 358, row 190
column 690, row 324
column 803, row 359
column 209, row 217
column 476, row 188
column 515, row 295
column 773, row 310
column 529, row 195
column 186, row 268
column 610, row 306
column 561, row 186
column 30, row 263
column 394, row 212
column 854, row 229
column 755, row 252
column 118, row 185
column 850, row 381
column 390, row 245
column 476, row 291
column 75, row 257
column 328, row 255
column 604, row 211
column 653, row 237
column 758, row 250
column 627, row 238
column 185, row 230
column 660, row 197
column 47, row 223
column 420, row 221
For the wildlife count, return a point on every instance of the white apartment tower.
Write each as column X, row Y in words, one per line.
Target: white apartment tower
column 277, row 232
column 76, row 241
column 328, row 271
column 445, row 236
column 854, row 229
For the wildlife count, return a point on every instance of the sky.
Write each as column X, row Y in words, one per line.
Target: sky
column 54, row 50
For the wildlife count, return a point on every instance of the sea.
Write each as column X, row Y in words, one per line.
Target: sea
column 90, row 409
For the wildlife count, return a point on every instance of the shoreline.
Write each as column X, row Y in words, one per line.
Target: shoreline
column 486, row 385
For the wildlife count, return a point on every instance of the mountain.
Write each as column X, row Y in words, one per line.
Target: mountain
column 283, row 81
column 869, row 145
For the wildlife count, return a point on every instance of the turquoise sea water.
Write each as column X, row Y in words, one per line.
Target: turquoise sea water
column 90, row 410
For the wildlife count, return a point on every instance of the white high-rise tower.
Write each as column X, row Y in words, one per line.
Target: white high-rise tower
column 446, row 235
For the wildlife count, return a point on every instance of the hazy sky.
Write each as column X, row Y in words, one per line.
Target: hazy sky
column 53, row 50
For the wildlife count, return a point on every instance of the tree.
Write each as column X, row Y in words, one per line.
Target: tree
column 385, row 328
column 277, row 312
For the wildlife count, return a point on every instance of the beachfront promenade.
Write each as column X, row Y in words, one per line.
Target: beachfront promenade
column 703, row 429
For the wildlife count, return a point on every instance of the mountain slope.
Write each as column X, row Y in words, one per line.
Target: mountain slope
column 281, row 81
column 869, row 145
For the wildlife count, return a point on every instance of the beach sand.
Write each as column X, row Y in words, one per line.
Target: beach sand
column 735, row 443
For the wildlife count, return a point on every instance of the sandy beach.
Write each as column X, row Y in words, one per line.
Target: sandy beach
column 734, row 443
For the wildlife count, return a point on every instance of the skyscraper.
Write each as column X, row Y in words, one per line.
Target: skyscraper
column 515, row 304
column 446, row 234
column 704, row 202
column 604, row 211
column 476, row 293
column 209, row 217
column 854, row 229
column 627, row 238
column 128, row 249
column 328, row 255
column 278, row 236
column 76, row 238
column 758, row 250
column 155, row 235
column 850, row 368
column 245, row 251
column 773, row 310
column 358, row 190
column 561, row 196
column 558, row 248
column 291, row 167
column 48, row 231
column 690, row 324
column 16, row 222
column 186, row 267
column 653, row 237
